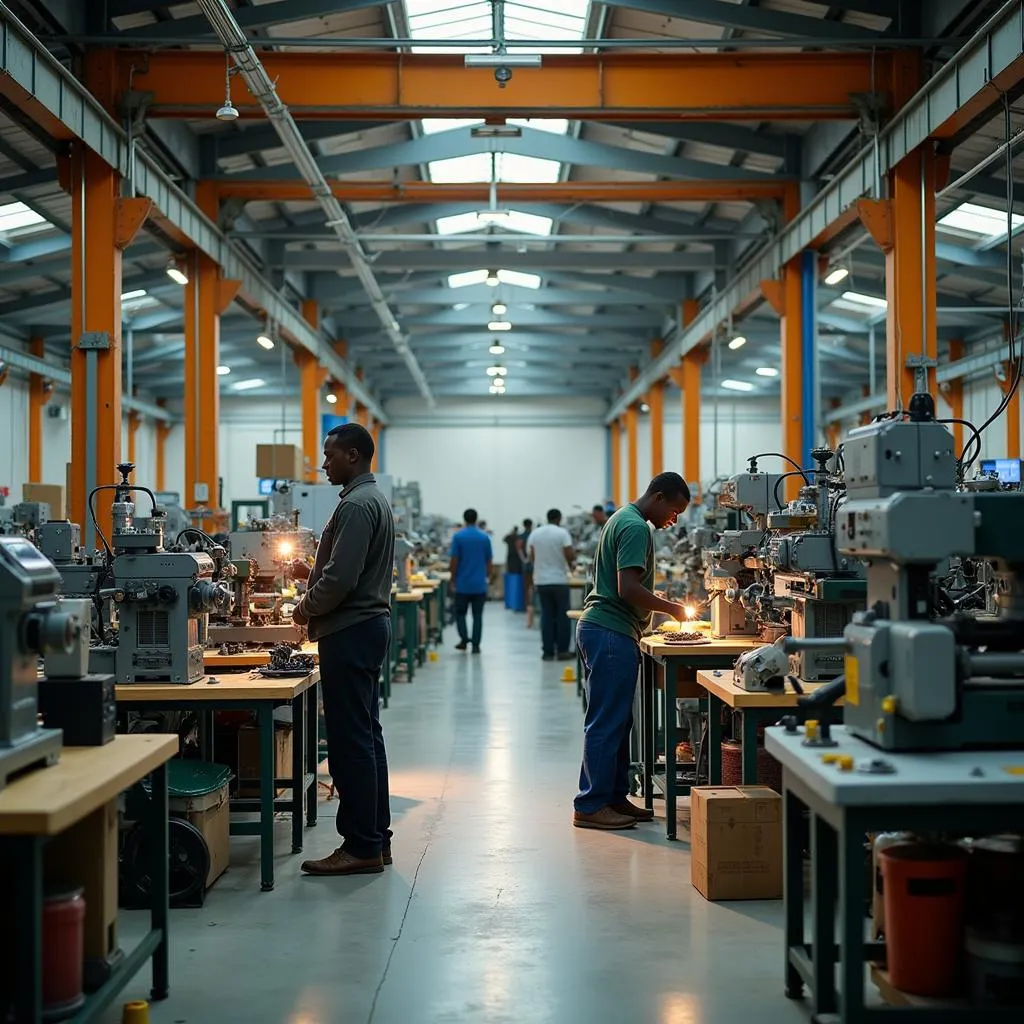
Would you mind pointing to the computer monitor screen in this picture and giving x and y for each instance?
(1008, 470)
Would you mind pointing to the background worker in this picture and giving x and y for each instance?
(598, 515)
(527, 571)
(550, 550)
(347, 609)
(471, 560)
(616, 613)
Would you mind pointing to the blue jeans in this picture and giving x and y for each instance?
(463, 603)
(611, 664)
(350, 666)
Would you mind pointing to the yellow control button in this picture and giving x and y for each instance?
(829, 758)
(811, 729)
(845, 762)
(889, 705)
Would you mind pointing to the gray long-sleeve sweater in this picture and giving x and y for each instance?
(351, 578)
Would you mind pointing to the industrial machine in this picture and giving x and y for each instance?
(404, 549)
(23, 519)
(730, 565)
(918, 679)
(31, 624)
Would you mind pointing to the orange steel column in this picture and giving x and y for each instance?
(655, 399)
(632, 453)
(953, 393)
(134, 420)
(38, 395)
(311, 377)
(615, 441)
(95, 335)
(377, 430)
(160, 475)
(1012, 413)
(690, 388)
(206, 296)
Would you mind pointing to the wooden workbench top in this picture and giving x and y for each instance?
(230, 687)
(722, 686)
(47, 801)
(656, 645)
(443, 577)
(410, 597)
(249, 659)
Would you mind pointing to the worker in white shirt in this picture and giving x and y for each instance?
(550, 550)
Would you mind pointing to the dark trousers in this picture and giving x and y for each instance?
(350, 666)
(554, 619)
(611, 664)
(463, 603)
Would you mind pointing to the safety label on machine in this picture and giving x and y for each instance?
(852, 679)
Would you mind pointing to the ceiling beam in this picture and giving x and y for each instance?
(481, 295)
(604, 86)
(639, 319)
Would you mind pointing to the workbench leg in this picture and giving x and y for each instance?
(824, 867)
(793, 886)
(442, 612)
(647, 727)
(312, 751)
(410, 640)
(714, 740)
(298, 768)
(267, 758)
(26, 864)
(751, 720)
(852, 904)
(671, 738)
(159, 851)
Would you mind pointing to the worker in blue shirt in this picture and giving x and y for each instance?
(471, 558)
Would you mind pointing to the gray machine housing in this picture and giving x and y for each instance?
(30, 624)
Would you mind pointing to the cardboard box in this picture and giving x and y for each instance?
(52, 494)
(210, 814)
(736, 842)
(280, 462)
(249, 758)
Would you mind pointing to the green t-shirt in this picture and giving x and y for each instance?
(625, 543)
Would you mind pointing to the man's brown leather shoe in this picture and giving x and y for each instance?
(385, 855)
(341, 862)
(631, 810)
(606, 819)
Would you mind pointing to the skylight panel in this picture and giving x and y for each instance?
(555, 125)
(433, 125)
(460, 224)
(467, 277)
(461, 170)
(503, 220)
(517, 277)
(981, 222)
(511, 167)
(17, 219)
(527, 223)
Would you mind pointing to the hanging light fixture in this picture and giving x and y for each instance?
(496, 371)
(332, 398)
(499, 309)
(497, 350)
(492, 279)
(265, 341)
(175, 273)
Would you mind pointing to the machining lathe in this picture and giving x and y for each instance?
(918, 679)
(31, 623)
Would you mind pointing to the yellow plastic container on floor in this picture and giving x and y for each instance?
(568, 674)
(136, 1012)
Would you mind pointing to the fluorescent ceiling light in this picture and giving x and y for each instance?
(644, 407)
(499, 309)
(265, 341)
(837, 275)
(495, 131)
(498, 60)
(332, 398)
(519, 279)
(223, 371)
(766, 371)
(248, 385)
(499, 325)
(176, 274)
(737, 385)
(738, 342)
(982, 222)
(137, 293)
(493, 216)
(496, 371)
(18, 219)
(467, 277)
(496, 391)
(869, 301)
(497, 350)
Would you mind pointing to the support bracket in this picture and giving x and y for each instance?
(775, 295)
(94, 341)
(227, 290)
(870, 107)
(129, 216)
(876, 216)
(921, 364)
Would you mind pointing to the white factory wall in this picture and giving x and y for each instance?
(743, 427)
(508, 461)
(244, 424)
(981, 399)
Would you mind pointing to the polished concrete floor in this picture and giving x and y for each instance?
(496, 909)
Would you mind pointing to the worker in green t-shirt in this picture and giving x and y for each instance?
(615, 614)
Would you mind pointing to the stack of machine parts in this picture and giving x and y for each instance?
(157, 602)
(269, 546)
(916, 677)
(31, 624)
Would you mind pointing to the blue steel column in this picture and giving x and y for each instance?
(808, 288)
